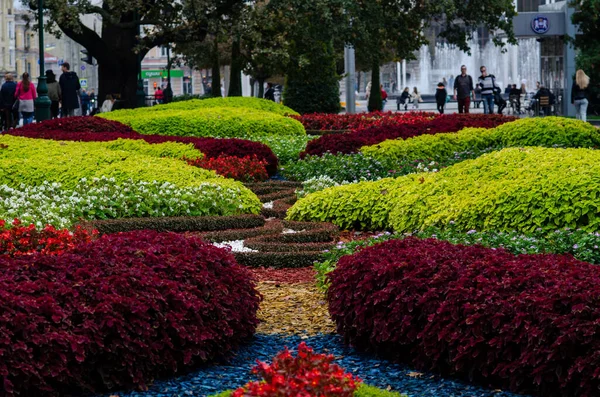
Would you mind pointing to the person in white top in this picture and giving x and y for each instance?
(107, 104)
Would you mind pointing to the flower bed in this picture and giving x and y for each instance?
(95, 199)
(547, 132)
(524, 322)
(338, 122)
(76, 124)
(245, 169)
(514, 189)
(210, 147)
(372, 135)
(285, 136)
(105, 320)
(17, 239)
(229, 102)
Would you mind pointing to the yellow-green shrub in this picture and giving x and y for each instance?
(547, 132)
(285, 136)
(361, 205)
(174, 150)
(229, 102)
(513, 189)
(33, 161)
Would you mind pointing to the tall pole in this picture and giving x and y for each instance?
(168, 93)
(42, 102)
(349, 58)
(139, 94)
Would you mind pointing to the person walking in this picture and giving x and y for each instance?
(440, 97)
(579, 94)
(7, 101)
(403, 99)
(69, 87)
(416, 98)
(487, 83)
(53, 93)
(463, 90)
(93, 103)
(270, 93)
(159, 96)
(515, 97)
(26, 94)
(384, 97)
(85, 102)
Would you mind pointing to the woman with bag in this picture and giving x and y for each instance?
(25, 95)
(579, 94)
(416, 98)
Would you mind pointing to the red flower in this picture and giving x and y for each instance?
(306, 375)
(246, 169)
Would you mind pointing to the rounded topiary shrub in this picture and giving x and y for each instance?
(526, 322)
(78, 124)
(118, 312)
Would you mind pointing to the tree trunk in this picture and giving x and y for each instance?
(216, 71)
(261, 88)
(235, 75)
(375, 102)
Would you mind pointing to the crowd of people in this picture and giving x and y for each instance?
(67, 98)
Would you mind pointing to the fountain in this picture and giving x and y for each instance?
(517, 63)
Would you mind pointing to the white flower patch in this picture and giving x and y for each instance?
(235, 246)
(268, 205)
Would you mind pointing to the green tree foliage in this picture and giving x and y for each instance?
(119, 45)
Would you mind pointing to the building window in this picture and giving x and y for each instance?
(11, 30)
(29, 68)
(27, 40)
(11, 59)
(163, 51)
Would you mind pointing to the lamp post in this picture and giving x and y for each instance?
(168, 93)
(42, 102)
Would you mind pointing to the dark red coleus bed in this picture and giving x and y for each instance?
(530, 323)
(373, 134)
(118, 312)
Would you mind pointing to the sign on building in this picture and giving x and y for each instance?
(83, 83)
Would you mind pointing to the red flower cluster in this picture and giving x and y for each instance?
(307, 375)
(526, 322)
(118, 312)
(211, 147)
(245, 169)
(372, 135)
(337, 122)
(17, 240)
(78, 124)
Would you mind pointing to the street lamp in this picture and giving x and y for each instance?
(42, 102)
(168, 93)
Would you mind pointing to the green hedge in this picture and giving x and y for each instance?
(547, 132)
(284, 135)
(32, 162)
(514, 189)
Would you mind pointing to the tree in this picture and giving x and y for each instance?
(120, 46)
(309, 31)
(387, 29)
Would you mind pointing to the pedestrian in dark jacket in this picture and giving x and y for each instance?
(270, 93)
(440, 97)
(69, 87)
(403, 99)
(53, 93)
(85, 102)
(7, 101)
(463, 89)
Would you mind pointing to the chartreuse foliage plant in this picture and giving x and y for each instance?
(228, 102)
(220, 122)
(548, 132)
(514, 189)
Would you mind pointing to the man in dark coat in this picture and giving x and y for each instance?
(270, 94)
(7, 100)
(69, 86)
